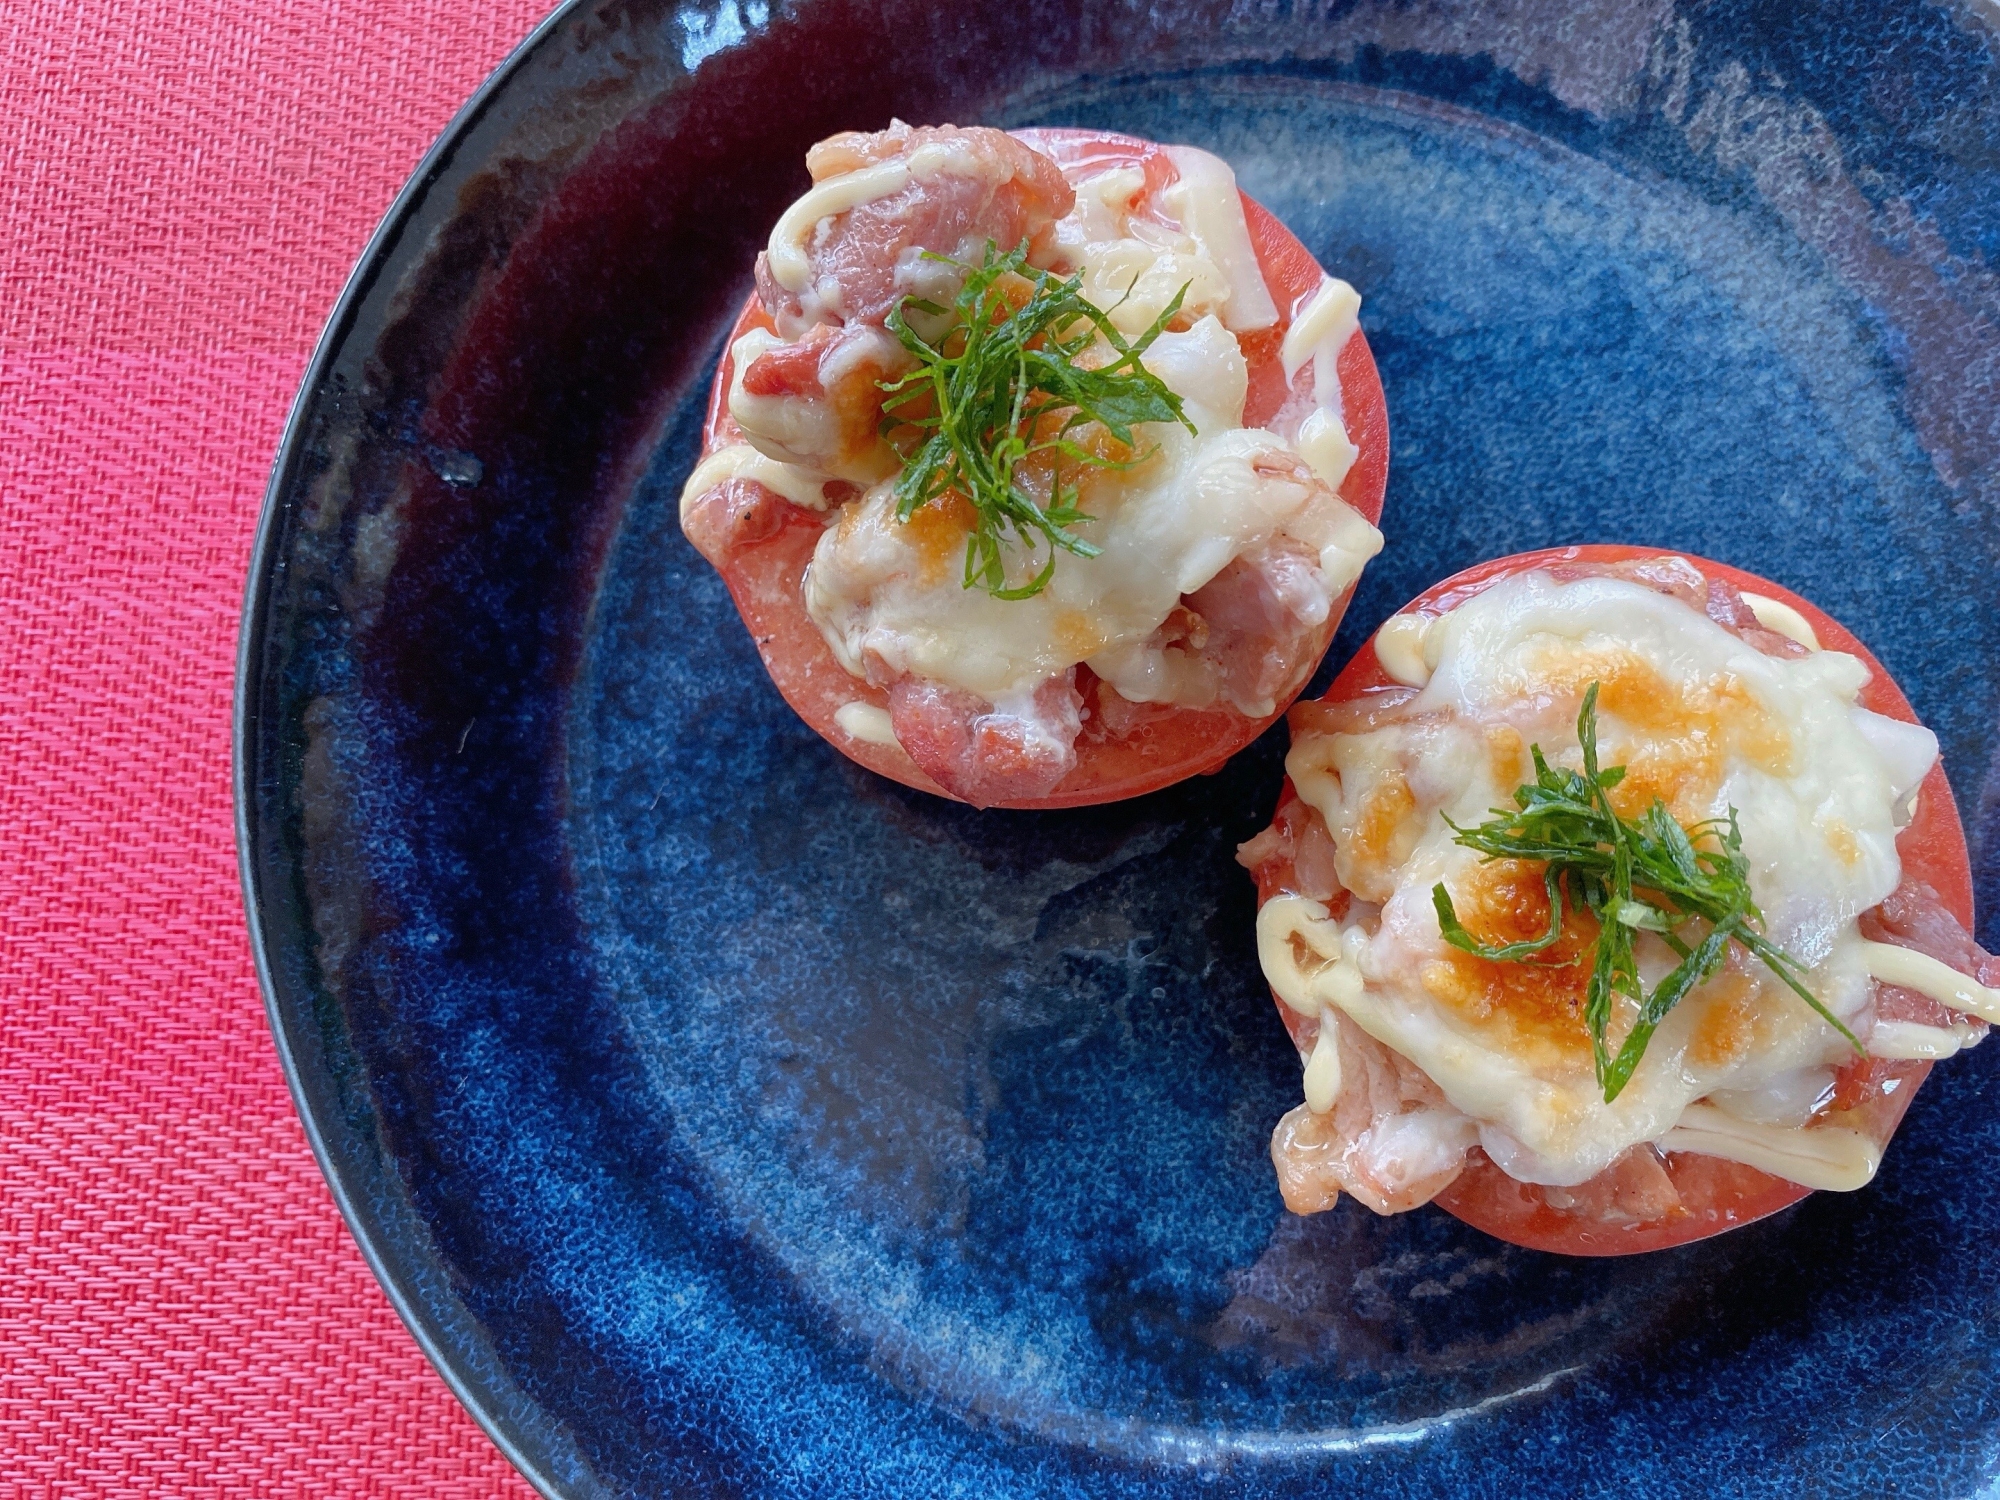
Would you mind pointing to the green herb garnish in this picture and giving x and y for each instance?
(1690, 886)
(1001, 383)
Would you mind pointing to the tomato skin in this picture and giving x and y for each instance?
(1165, 745)
(1717, 1195)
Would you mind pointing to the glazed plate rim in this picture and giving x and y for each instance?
(258, 587)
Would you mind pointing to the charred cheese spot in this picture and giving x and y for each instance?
(1075, 633)
(1841, 840)
(1184, 627)
(1507, 901)
(1507, 751)
(1121, 468)
(1378, 834)
(1682, 734)
(1309, 959)
(1534, 1009)
(1101, 491)
(1729, 1027)
(1384, 819)
(938, 530)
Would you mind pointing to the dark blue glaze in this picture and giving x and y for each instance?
(728, 1121)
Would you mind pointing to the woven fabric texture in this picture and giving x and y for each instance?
(186, 184)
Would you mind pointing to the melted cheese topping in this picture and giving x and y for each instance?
(1133, 264)
(1325, 446)
(811, 437)
(889, 595)
(1399, 647)
(892, 594)
(1704, 722)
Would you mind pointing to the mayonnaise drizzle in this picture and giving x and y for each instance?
(1331, 975)
(1323, 1067)
(1320, 330)
(1321, 326)
(1929, 976)
(741, 461)
(826, 200)
(1399, 647)
(1912, 1040)
(1825, 1157)
(867, 722)
(1780, 618)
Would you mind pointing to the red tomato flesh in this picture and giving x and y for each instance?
(1715, 1195)
(1148, 746)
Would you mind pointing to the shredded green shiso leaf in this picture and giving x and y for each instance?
(1002, 383)
(1690, 886)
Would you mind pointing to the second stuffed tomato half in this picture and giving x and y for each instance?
(1042, 464)
(1614, 899)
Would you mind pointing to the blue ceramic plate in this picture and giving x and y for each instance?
(726, 1121)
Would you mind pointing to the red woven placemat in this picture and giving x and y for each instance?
(186, 183)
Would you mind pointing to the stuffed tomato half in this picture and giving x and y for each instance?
(1614, 899)
(1042, 465)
